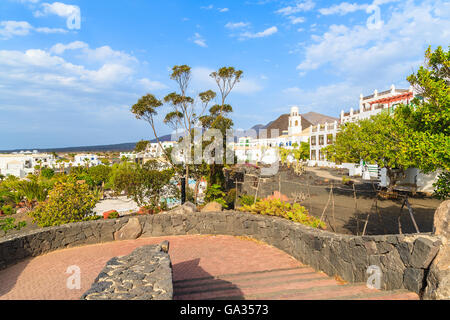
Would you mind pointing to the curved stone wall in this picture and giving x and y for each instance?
(404, 260)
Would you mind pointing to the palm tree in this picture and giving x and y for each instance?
(32, 191)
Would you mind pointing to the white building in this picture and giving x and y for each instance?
(154, 150)
(23, 163)
(321, 136)
(86, 159)
(325, 134)
(378, 101)
(262, 149)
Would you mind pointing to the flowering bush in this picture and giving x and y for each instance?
(278, 208)
(67, 202)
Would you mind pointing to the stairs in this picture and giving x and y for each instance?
(300, 283)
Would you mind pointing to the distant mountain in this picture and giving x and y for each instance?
(318, 118)
(282, 122)
(167, 137)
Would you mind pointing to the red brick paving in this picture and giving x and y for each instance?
(204, 267)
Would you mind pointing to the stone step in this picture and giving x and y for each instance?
(243, 279)
(301, 283)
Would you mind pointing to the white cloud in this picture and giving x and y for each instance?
(300, 6)
(71, 12)
(50, 30)
(343, 8)
(59, 48)
(199, 40)
(296, 20)
(224, 10)
(57, 8)
(47, 74)
(209, 7)
(237, 25)
(337, 96)
(357, 60)
(98, 55)
(265, 33)
(356, 50)
(10, 29)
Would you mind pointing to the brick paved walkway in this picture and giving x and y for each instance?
(204, 267)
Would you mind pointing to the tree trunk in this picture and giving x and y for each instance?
(187, 179)
(394, 176)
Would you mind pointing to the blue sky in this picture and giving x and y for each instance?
(64, 83)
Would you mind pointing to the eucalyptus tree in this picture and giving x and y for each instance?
(187, 113)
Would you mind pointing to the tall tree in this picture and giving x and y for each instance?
(378, 140)
(226, 79)
(184, 115)
(141, 146)
(187, 113)
(428, 117)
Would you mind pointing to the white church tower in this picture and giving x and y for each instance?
(295, 122)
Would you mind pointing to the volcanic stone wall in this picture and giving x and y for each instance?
(404, 260)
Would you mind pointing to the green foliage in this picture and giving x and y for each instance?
(278, 208)
(100, 174)
(380, 139)
(347, 181)
(141, 145)
(113, 215)
(7, 210)
(247, 200)
(31, 191)
(215, 193)
(67, 202)
(230, 198)
(428, 117)
(10, 224)
(47, 173)
(298, 152)
(442, 186)
(143, 183)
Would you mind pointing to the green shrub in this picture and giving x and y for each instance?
(10, 224)
(100, 174)
(278, 208)
(215, 193)
(442, 186)
(231, 198)
(47, 173)
(114, 215)
(347, 181)
(67, 202)
(8, 210)
(247, 200)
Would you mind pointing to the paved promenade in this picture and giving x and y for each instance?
(204, 267)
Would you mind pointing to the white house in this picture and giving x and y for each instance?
(263, 149)
(378, 101)
(86, 159)
(23, 163)
(321, 136)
